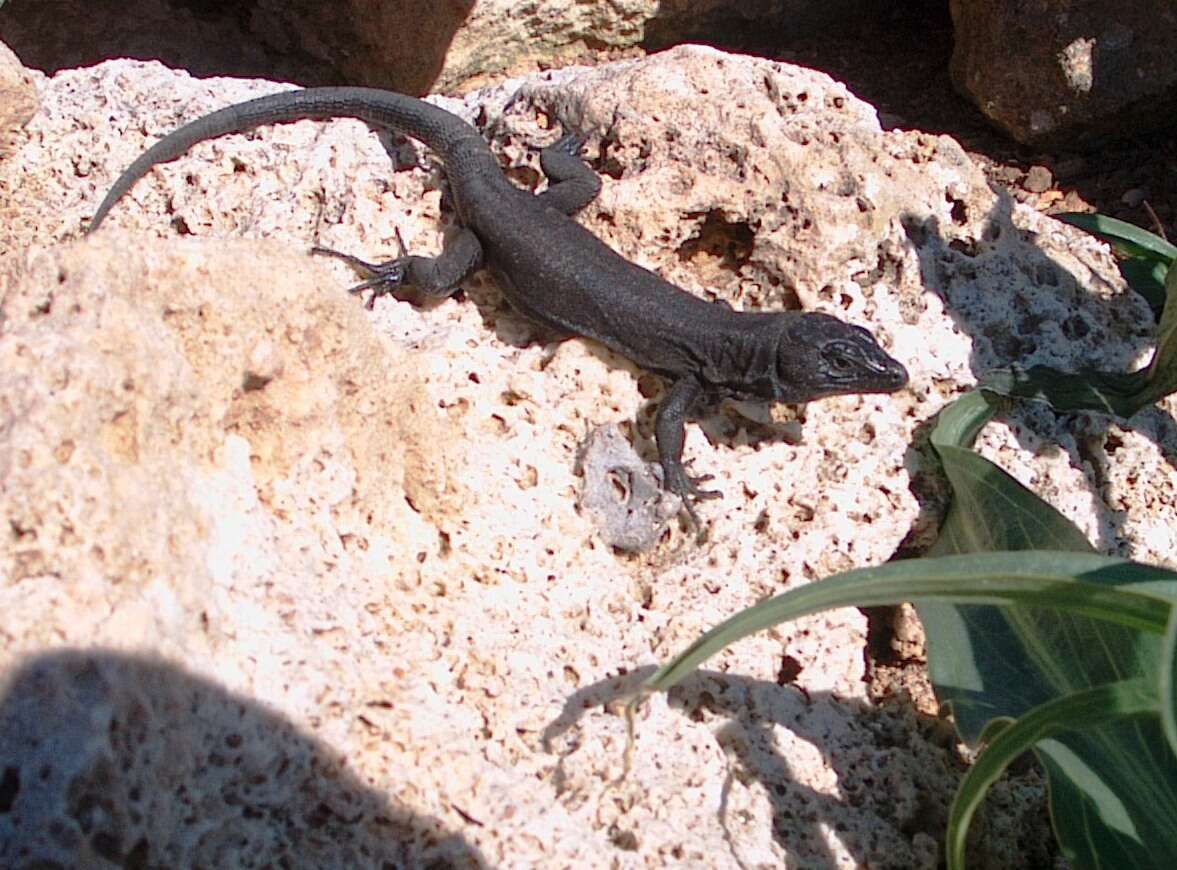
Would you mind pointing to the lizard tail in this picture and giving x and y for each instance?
(438, 129)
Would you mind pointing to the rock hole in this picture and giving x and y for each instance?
(625, 840)
(106, 844)
(966, 247)
(137, 858)
(619, 480)
(789, 671)
(959, 212)
(726, 243)
(253, 382)
(1046, 275)
(9, 788)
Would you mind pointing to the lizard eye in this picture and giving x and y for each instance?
(840, 360)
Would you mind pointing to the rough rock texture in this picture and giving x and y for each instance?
(404, 44)
(111, 759)
(623, 493)
(272, 522)
(1068, 73)
(18, 97)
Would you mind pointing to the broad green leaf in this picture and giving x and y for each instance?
(992, 663)
(1112, 795)
(1127, 239)
(1168, 687)
(989, 509)
(960, 422)
(1019, 651)
(1161, 374)
(1115, 393)
(1077, 712)
(1146, 277)
(1076, 583)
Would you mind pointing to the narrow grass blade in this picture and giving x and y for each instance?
(1068, 582)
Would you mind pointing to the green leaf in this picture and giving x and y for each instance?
(1076, 583)
(1076, 712)
(1127, 239)
(1115, 393)
(1146, 277)
(1112, 794)
(1168, 687)
(990, 663)
(989, 509)
(1161, 375)
(960, 422)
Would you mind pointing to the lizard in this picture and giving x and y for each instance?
(555, 272)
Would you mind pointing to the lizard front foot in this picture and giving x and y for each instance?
(382, 278)
(569, 143)
(687, 488)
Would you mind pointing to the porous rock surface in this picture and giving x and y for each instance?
(1067, 74)
(18, 97)
(259, 543)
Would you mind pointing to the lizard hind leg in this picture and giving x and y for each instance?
(411, 278)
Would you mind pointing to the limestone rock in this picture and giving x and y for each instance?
(1064, 74)
(18, 97)
(368, 525)
(624, 494)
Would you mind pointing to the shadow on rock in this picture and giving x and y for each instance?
(1048, 322)
(115, 760)
(891, 776)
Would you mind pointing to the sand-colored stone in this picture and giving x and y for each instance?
(18, 97)
(366, 527)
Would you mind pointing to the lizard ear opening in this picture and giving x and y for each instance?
(792, 366)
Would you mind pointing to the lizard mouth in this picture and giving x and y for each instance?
(893, 376)
(858, 365)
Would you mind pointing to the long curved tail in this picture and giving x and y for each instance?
(438, 129)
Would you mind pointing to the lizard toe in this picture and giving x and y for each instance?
(702, 494)
(569, 143)
(387, 278)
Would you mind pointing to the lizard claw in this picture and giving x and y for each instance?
(382, 278)
(702, 494)
(569, 143)
(687, 488)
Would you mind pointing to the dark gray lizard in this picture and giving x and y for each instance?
(555, 272)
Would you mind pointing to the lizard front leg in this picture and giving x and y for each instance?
(670, 433)
(572, 183)
(416, 279)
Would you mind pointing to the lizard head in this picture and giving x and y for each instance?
(819, 355)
